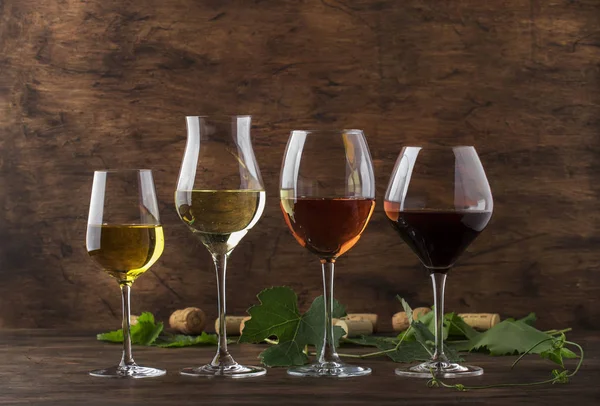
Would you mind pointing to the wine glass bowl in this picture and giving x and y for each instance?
(220, 197)
(327, 196)
(438, 200)
(125, 237)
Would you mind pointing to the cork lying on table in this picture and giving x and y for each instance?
(479, 321)
(354, 328)
(233, 324)
(191, 320)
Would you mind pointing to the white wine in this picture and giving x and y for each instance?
(220, 218)
(125, 251)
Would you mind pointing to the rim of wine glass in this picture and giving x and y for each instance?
(123, 170)
(221, 117)
(439, 146)
(317, 131)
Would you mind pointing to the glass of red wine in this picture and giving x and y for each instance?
(327, 195)
(438, 200)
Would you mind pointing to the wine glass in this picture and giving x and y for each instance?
(125, 237)
(220, 196)
(438, 200)
(327, 195)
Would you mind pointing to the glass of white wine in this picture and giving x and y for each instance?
(220, 196)
(125, 237)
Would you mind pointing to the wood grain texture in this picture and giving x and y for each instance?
(50, 367)
(105, 84)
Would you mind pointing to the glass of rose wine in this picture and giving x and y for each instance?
(438, 200)
(125, 237)
(327, 193)
(220, 196)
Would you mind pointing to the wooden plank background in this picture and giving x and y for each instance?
(99, 84)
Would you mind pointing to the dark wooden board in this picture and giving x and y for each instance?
(49, 367)
(106, 84)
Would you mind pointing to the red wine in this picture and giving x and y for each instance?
(327, 227)
(437, 237)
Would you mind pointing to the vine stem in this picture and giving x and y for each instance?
(528, 351)
(560, 377)
(556, 332)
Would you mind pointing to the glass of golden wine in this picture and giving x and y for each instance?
(125, 237)
(220, 197)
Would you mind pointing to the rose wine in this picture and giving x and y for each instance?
(437, 237)
(220, 218)
(125, 251)
(327, 227)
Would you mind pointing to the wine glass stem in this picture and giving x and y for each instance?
(127, 358)
(222, 358)
(328, 354)
(439, 283)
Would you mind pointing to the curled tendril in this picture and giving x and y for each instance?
(559, 342)
(433, 383)
(560, 376)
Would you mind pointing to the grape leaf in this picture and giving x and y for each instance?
(112, 336)
(567, 353)
(424, 334)
(511, 337)
(144, 332)
(455, 327)
(406, 307)
(278, 315)
(405, 352)
(530, 319)
(558, 351)
(186, 341)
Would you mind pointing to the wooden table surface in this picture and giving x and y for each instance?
(49, 367)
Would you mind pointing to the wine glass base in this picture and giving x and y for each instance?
(231, 371)
(440, 370)
(330, 369)
(129, 371)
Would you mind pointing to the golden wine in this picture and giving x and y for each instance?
(220, 218)
(125, 251)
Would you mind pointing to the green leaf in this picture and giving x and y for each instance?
(145, 332)
(567, 353)
(558, 352)
(284, 354)
(530, 319)
(427, 339)
(278, 315)
(511, 337)
(405, 352)
(186, 341)
(314, 320)
(554, 356)
(455, 327)
(112, 336)
(423, 331)
(406, 307)
(371, 341)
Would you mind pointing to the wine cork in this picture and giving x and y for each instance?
(191, 320)
(243, 323)
(370, 317)
(232, 324)
(355, 328)
(400, 320)
(481, 321)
